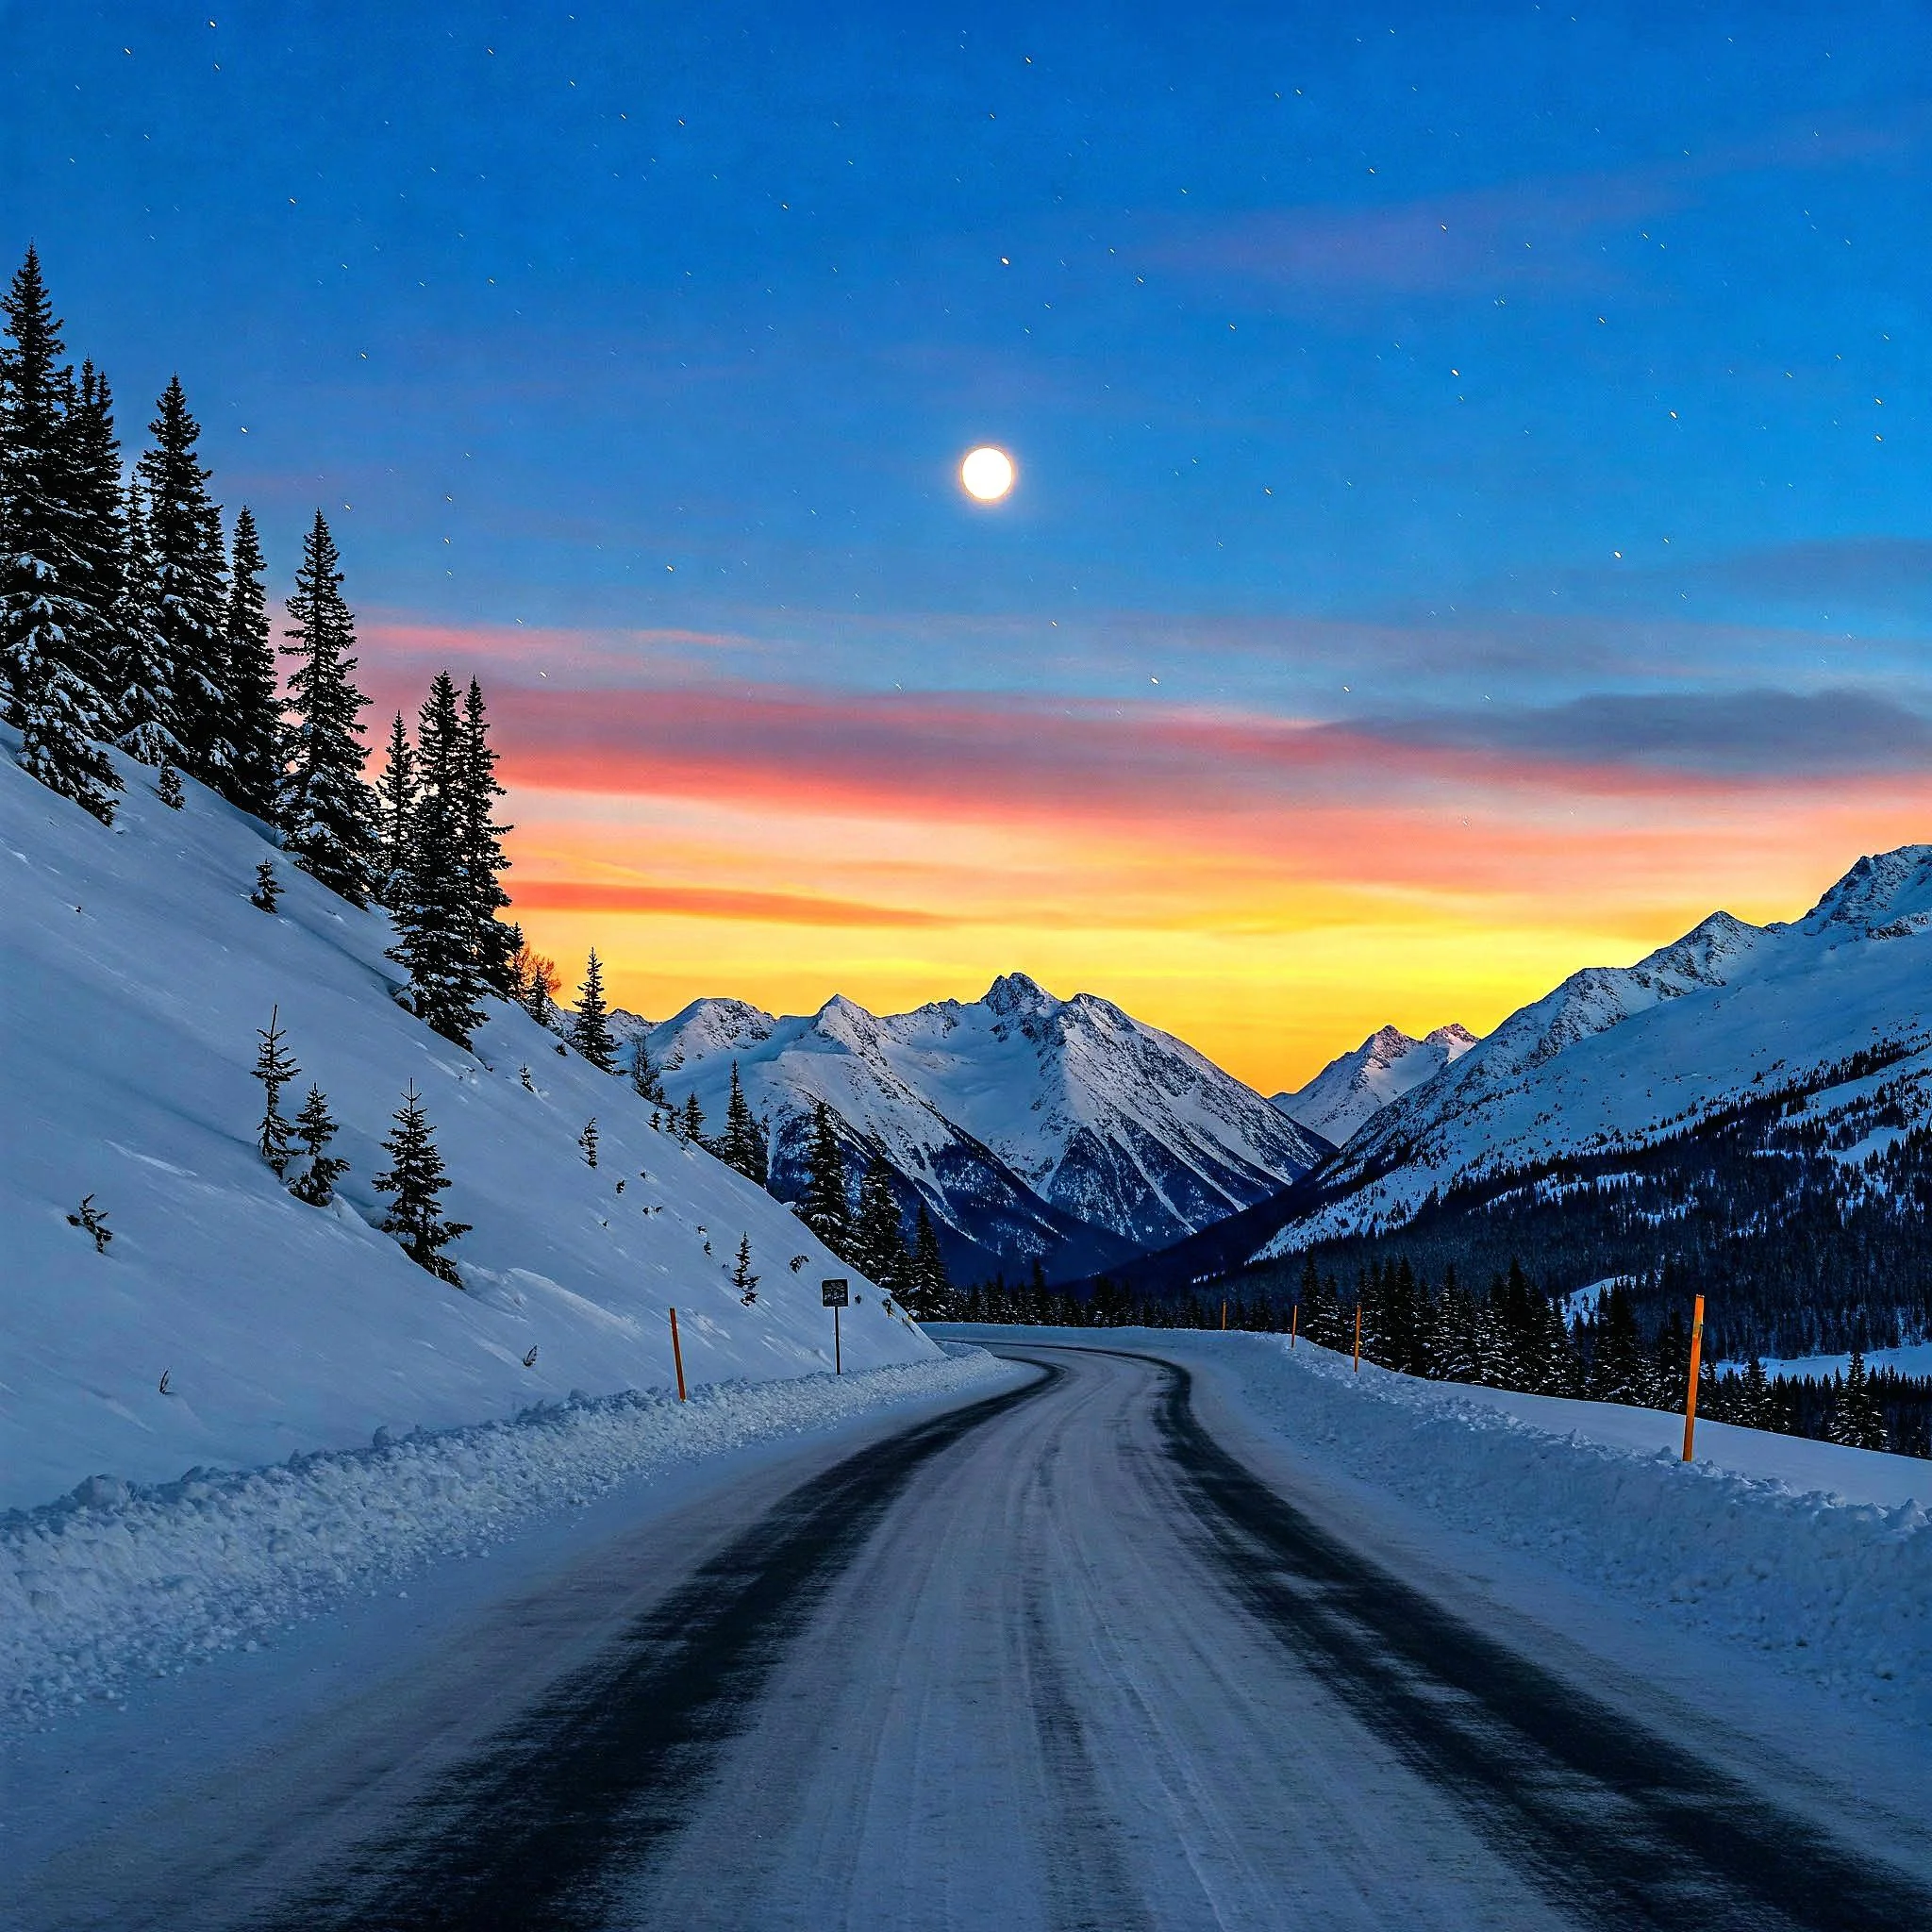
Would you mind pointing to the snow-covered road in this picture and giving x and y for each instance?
(1074, 1653)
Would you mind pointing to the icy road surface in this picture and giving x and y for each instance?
(1059, 1658)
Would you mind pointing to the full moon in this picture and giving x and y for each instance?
(987, 473)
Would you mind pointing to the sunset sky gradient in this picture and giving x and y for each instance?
(1475, 500)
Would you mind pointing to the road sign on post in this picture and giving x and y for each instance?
(836, 1294)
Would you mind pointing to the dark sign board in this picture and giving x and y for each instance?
(836, 1293)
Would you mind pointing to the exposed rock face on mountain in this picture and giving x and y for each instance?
(1064, 1131)
(1353, 1088)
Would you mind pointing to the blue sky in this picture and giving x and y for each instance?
(1493, 383)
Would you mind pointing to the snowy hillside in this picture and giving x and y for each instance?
(1032, 1126)
(1828, 1016)
(134, 975)
(1387, 1064)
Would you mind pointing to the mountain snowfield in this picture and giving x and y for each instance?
(1618, 1056)
(1355, 1086)
(134, 972)
(1030, 1125)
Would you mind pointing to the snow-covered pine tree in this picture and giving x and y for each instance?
(645, 1078)
(396, 800)
(417, 1178)
(268, 888)
(493, 944)
(587, 1142)
(254, 700)
(167, 788)
(1616, 1369)
(741, 1145)
(144, 694)
(1751, 1405)
(928, 1290)
(1858, 1422)
(590, 1026)
(429, 896)
(275, 1067)
(877, 1246)
(690, 1126)
(185, 526)
(328, 812)
(743, 1279)
(98, 495)
(826, 1208)
(315, 1129)
(54, 687)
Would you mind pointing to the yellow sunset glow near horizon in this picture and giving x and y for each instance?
(987, 473)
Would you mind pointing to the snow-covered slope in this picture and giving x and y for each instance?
(1619, 1056)
(1387, 1064)
(134, 972)
(1032, 1126)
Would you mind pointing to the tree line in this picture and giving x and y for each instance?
(1509, 1335)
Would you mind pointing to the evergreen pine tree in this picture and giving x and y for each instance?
(268, 888)
(1753, 1403)
(741, 1145)
(185, 526)
(877, 1247)
(826, 1209)
(429, 898)
(328, 812)
(1858, 1420)
(140, 680)
(396, 800)
(167, 788)
(315, 1129)
(743, 1279)
(587, 1142)
(50, 626)
(590, 1027)
(645, 1078)
(538, 980)
(1616, 1369)
(417, 1180)
(691, 1127)
(97, 496)
(928, 1291)
(480, 840)
(255, 706)
(275, 1067)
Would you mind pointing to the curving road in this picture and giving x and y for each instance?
(1060, 1659)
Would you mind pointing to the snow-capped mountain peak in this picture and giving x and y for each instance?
(1032, 1126)
(1356, 1085)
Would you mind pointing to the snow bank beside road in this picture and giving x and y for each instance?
(1816, 1557)
(115, 1583)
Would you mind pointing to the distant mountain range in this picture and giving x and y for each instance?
(1034, 1128)
(1751, 1105)
(1348, 1091)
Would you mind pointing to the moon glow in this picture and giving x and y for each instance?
(987, 473)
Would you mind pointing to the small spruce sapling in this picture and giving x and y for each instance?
(315, 1129)
(94, 1220)
(417, 1178)
(523, 1074)
(743, 1279)
(588, 1142)
(275, 1067)
(268, 889)
(691, 1128)
(168, 789)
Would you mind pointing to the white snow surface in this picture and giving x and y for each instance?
(1817, 1558)
(1620, 1056)
(134, 973)
(1356, 1085)
(119, 1583)
(1102, 1116)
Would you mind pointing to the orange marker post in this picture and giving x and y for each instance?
(1696, 1362)
(677, 1355)
(1294, 1323)
(1357, 1338)
(1224, 1314)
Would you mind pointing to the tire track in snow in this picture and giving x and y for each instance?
(1615, 1823)
(541, 1832)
